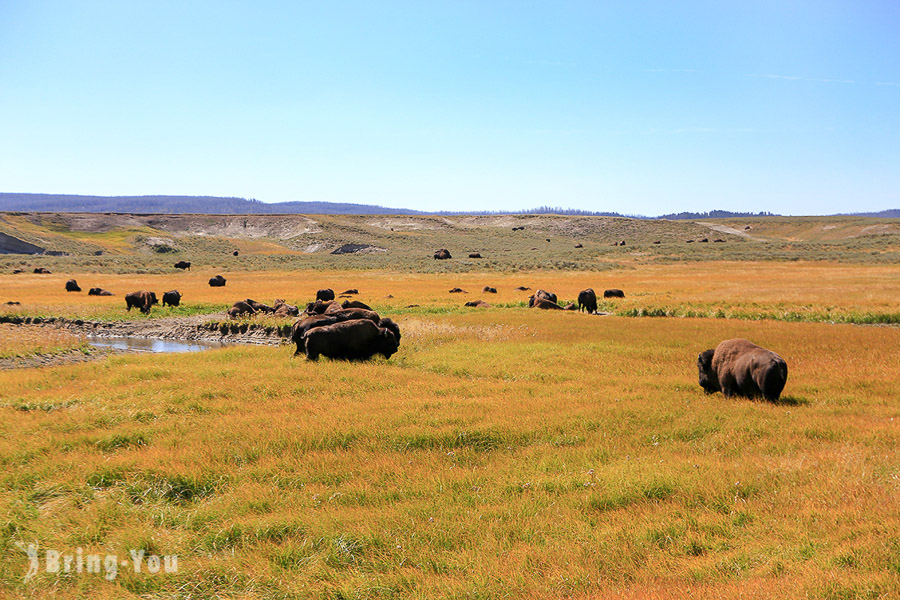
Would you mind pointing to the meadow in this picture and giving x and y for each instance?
(503, 452)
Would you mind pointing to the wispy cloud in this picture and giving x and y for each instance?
(888, 83)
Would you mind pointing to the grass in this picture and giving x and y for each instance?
(501, 452)
(18, 342)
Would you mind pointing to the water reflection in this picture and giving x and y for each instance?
(152, 345)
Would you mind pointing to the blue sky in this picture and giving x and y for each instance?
(635, 107)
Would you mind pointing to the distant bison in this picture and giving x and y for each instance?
(457, 290)
(99, 292)
(42, 271)
(543, 303)
(355, 304)
(325, 295)
(72, 286)
(350, 340)
(657, 242)
(350, 291)
(741, 368)
(704, 240)
(474, 255)
(217, 281)
(522, 288)
(587, 300)
(579, 245)
(142, 300)
(478, 304)
(235, 253)
(614, 293)
(541, 294)
(172, 298)
(239, 309)
(489, 290)
(183, 264)
(442, 254)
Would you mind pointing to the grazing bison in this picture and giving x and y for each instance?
(99, 292)
(489, 290)
(613, 293)
(349, 340)
(183, 264)
(325, 295)
(587, 300)
(72, 286)
(303, 325)
(259, 306)
(458, 291)
(172, 298)
(283, 309)
(42, 271)
(142, 300)
(239, 309)
(391, 326)
(442, 254)
(217, 281)
(350, 291)
(478, 304)
(741, 368)
(474, 255)
(355, 304)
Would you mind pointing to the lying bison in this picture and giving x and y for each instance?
(614, 293)
(489, 290)
(741, 368)
(72, 286)
(283, 309)
(457, 290)
(358, 339)
(474, 255)
(183, 264)
(325, 295)
(235, 253)
(142, 300)
(543, 303)
(349, 292)
(239, 309)
(542, 295)
(318, 307)
(99, 292)
(259, 306)
(355, 304)
(217, 281)
(587, 300)
(42, 271)
(442, 254)
(172, 298)
(478, 304)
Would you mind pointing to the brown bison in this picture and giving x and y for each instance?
(457, 290)
(72, 286)
(579, 245)
(478, 304)
(259, 306)
(42, 271)
(442, 254)
(350, 292)
(325, 295)
(614, 293)
(587, 300)
(217, 281)
(392, 327)
(283, 309)
(99, 292)
(142, 300)
(570, 306)
(183, 264)
(318, 307)
(474, 255)
(543, 296)
(350, 340)
(312, 321)
(542, 303)
(489, 290)
(235, 253)
(172, 298)
(522, 288)
(741, 368)
(355, 304)
(239, 309)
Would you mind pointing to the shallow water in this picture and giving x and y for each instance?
(132, 344)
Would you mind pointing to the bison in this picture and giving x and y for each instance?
(489, 290)
(614, 293)
(217, 281)
(141, 300)
(587, 300)
(570, 306)
(442, 254)
(259, 306)
(542, 295)
(741, 368)
(349, 340)
(355, 304)
(457, 290)
(349, 292)
(318, 307)
(72, 286)
(579, 245)
(478, 304)
(183, 264)
(474, 255)
(542, 303)
(325, 295)
(522, 288)
(99, 292)
(312, 321)
(172, 298)
(283, 309)
(42, 271)
(235, 253)
(239, 309)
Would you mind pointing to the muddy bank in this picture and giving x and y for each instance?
(77, 355)
(212, 328)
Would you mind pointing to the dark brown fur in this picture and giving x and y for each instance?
(350, 340)
(172, 298)
(217, 281)
(587, 300)
(72, 286)
(142, 300)
(741, 368)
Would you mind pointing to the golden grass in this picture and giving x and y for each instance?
(25, 341)
(501, 453)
